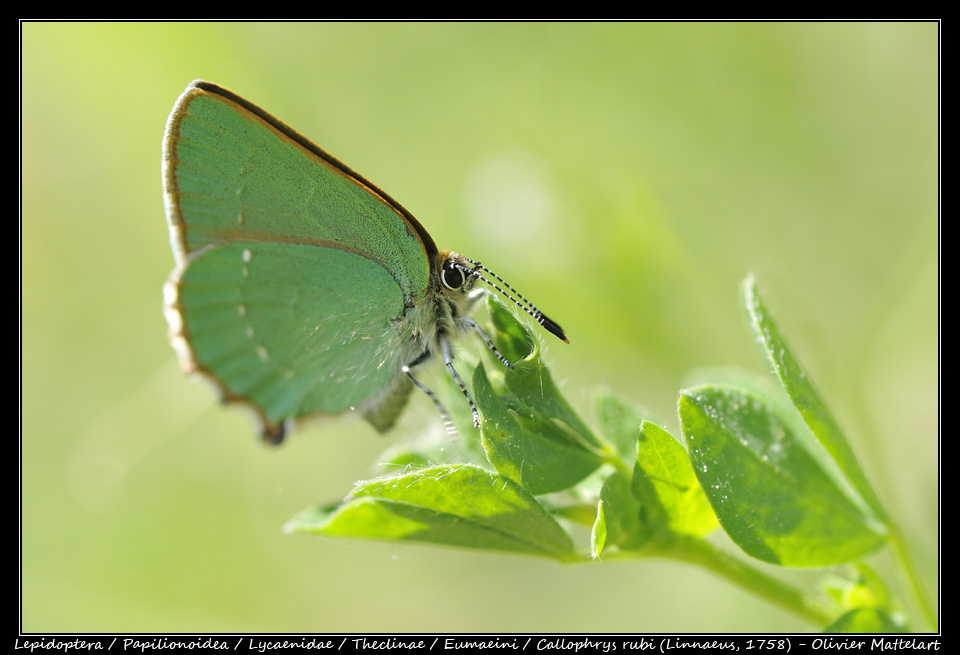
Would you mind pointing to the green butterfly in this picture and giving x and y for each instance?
(300, 288)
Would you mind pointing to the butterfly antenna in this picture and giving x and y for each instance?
(524, 304)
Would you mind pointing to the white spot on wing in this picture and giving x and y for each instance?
(247, 256)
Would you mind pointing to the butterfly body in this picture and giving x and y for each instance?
(300, 288)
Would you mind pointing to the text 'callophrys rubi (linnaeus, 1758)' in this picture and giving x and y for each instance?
(300, 288)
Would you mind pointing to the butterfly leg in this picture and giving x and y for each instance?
(467, 322)
(448, 362)
(447, 421)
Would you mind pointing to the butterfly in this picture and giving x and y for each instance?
(300, 288)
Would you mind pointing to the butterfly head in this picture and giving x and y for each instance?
(459, 274)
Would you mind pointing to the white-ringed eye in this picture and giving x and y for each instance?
(451, 277)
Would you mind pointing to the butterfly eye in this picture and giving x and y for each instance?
(451, 277)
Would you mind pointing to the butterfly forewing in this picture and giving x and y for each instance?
(293, 274)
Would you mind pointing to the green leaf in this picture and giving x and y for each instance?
(618, 517)
(598, 536)
(512, 338)
(661, 496)
(663, 479)
(805, 398)
(771, 496)
(664, 471)
(539, 454)
(454, 505)
(530, 379)
(619, 424)
(531, 383)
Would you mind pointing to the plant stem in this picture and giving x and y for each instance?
(698, 551)
(909, 573)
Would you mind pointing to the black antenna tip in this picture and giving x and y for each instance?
(552, 328)
(526, 305)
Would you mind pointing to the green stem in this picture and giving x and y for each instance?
(698, 551)
(908, 571)
(612, 457)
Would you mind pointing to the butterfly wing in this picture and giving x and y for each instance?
(293, 272)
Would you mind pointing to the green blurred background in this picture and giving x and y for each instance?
(625, 177)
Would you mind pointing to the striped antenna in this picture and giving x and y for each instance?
(524, 304)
